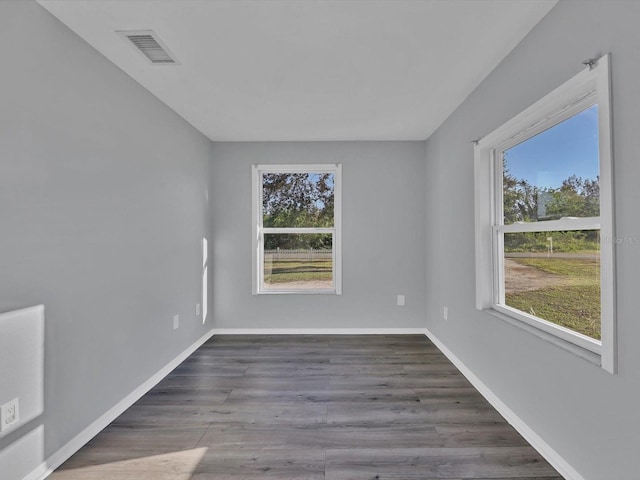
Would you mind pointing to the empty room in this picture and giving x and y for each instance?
(319, 239)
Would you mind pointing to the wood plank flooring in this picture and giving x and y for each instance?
(310, 407)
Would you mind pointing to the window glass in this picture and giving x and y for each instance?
(554, 174)
(298, 261)
(555, 276)
(545, 253)
(297, 200)
(297, 225)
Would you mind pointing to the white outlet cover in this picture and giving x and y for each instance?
(445, 313)
(197, 309)
(401, 300)
(176, 322)
(9, 414)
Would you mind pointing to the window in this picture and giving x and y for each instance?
(297, 238)
(544, 218)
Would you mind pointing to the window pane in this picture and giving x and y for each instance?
(301, 261)
(555, 276)
(554, 174)
(297, 199)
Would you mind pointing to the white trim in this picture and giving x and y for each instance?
(537, 442)
(571, 347)
(337, 224)
(561, 225)
(546, 109)
(299, 167)
(76, 443)
(319, 331)
(65, 452)
(300, 291)
(484, 220)
(298, 230)
(256, 257)
(41, 472)
(581, 102)
(589, 87)
(607, 215)
(257, 276)
(559, 331)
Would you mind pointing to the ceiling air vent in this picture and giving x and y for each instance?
(148, 43)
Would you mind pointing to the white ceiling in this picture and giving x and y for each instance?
(281, 70)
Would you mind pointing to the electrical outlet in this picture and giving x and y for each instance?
(197, 309)
(176, 322)
(9, 414)
(400, 300)
(445, 313)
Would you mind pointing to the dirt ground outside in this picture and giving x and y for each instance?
(523, 278)
(518, 278)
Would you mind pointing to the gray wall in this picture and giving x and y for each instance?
(102, 210)
(588, 416)
(383, 237)
(103, 207)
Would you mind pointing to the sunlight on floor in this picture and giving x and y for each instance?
(169, 466)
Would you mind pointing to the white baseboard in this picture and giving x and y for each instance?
(64, 453)
(319, 331)
(559, 463)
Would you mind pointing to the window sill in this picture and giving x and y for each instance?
(548, 337)
(297, 292)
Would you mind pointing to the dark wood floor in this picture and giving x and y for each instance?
(310, 407)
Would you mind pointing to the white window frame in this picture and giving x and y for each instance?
(259, 230)
(590, 86)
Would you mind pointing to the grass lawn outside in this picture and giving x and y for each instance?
(572, 297)
(289, 271)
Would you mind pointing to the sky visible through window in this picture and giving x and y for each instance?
(569, 148)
